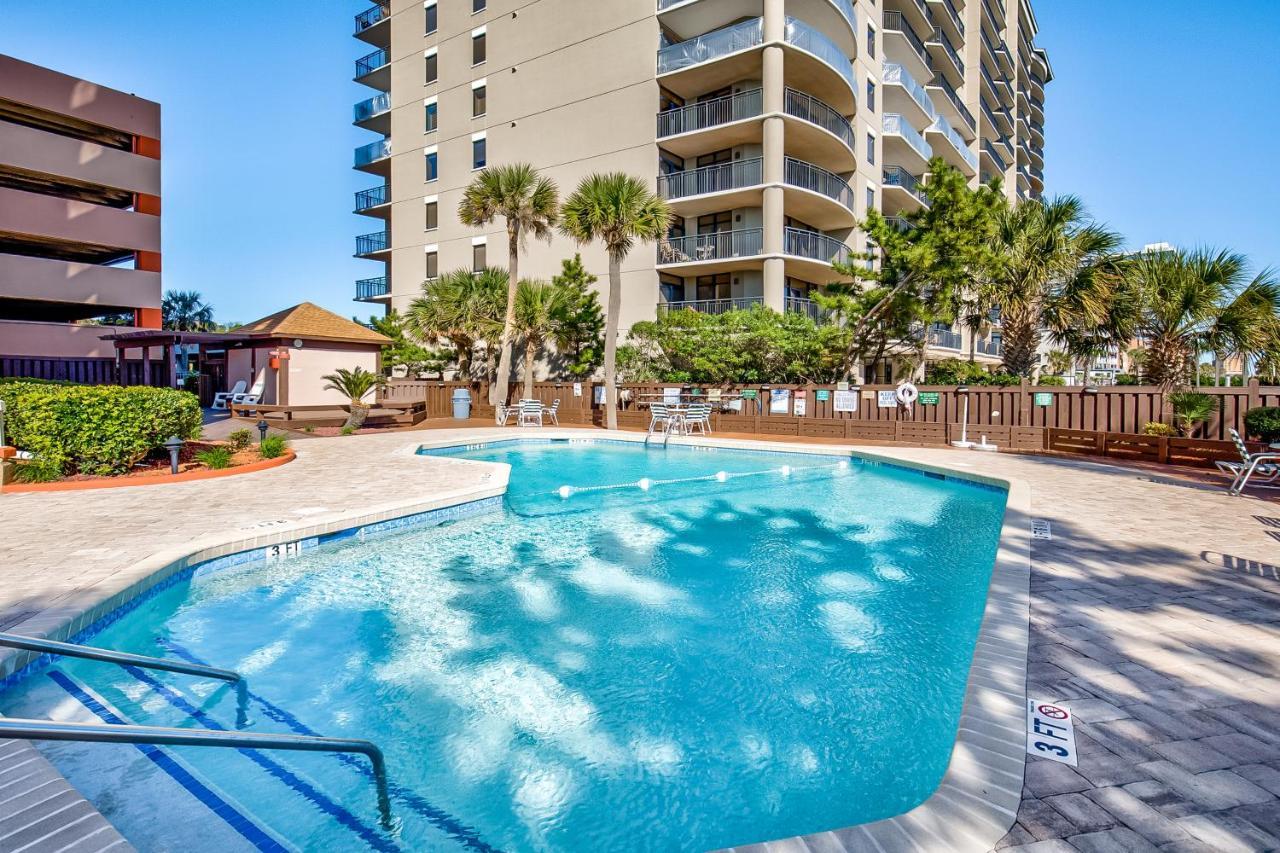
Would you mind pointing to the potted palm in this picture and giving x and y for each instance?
(1190, 409)
(355, 385)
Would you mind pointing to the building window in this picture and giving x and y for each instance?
(433, 68)
(433, 166)
(478, 5)
(871, 96)
(714, 286)
(871, 41)
(433, 265)
(477, 47)
(430, 10)
(871, 149)
(478, 153)
(432, 214)
(478, 261)
(871, 198)
(430, 123)
(715, 223)
(670, 288)
(479, 100)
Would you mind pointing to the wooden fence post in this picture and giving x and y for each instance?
(1255, 393)
(1024, 404)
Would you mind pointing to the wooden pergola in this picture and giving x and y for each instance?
(147, 340)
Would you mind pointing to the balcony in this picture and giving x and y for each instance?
(916, 13)
(713, 250)
(949, 103)
(733, 185)
(808, 108)
(903, 95)
(945, 12)
(999, 87)
(943, 57)
(824, 200)
(805, 307)
(1000, 118)
(374, 157)
(952, 148)
(711, 113)
(720, 58)
(899, 223)
(997, 163)
(374, 197)
(815, 247)
(371, 25)
(712, 306)
(373, 289)
(369, 245)
(995, 11)
(374, 114)
(903, 191)
(992, 348)
(374, 70)
(903, 145)
(684, 19)
(903, 44)
(944, 339)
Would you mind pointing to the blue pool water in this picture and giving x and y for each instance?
(708, 662)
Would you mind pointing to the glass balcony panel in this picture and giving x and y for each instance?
(895, 73)
(896, 124)
(941, 125)
(801, 35)
(367, 154)
(712, 45)
(376, 105)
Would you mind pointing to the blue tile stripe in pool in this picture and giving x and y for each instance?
(445, 821)
(429, 518)
(249, 830)
(370, 836)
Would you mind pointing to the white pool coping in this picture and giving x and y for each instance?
(977, 800)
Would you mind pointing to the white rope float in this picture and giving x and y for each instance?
(644, 484)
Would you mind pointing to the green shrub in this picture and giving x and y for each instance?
(215, 457)
(95, 429)
(1191, 408)
(347, 430)
(38, 471)
(1264, 423)
(272, 446)
(1051, 380)
(957, 371)
(1158, 428)
(240, 439)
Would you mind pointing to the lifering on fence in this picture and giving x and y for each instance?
(907, 393)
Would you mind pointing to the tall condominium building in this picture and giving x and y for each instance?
(79, 211)
(771, 126)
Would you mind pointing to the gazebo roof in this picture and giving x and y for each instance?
(310, 321)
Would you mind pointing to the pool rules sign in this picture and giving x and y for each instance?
(1051, 732)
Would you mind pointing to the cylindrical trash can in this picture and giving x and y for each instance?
(461, 404)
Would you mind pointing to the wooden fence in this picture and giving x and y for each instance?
(85, 371)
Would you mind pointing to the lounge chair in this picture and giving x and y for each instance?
(254, 395)
(222, 398)
(501, 412)
(551, 412)
(660, 419)
(1263, 465)
(530, 413)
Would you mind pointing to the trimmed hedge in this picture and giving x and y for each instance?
(95, 429)
(1263, 422)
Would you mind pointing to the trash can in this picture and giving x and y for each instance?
(461, 404)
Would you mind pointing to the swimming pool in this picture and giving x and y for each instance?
(735, 653)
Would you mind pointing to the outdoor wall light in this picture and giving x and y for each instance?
(1090, 389)
(962, 389)
(173, 445)
(262, 430)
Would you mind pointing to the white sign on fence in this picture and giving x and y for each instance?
(801, 401)
(780, 401)
(887, 399)
(1051, 732)
(844, 401)
(577, 389)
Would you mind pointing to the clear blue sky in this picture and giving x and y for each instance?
(1162, 117)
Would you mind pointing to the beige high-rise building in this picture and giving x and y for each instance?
(770, 125)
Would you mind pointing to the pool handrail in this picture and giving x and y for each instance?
(11, 727)
(53, 647)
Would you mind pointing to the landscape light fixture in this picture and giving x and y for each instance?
(173, 445)
(262, 430)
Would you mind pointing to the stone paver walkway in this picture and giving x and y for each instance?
(1155, 617)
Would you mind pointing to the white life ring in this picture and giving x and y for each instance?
(907, 393)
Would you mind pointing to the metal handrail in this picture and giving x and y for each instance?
(896, 21)
(157, 735)
(798, 173)
(808, 108)
(734, 175)
(371, 62)
(740, 243)
(72, 650)
(709, 113)
(954, 96)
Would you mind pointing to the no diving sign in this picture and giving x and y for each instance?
(1051, 732)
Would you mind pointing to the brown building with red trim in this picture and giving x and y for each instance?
(79, 211)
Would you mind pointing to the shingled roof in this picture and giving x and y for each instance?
(309, 321)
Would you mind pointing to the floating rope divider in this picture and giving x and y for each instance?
(646, 483)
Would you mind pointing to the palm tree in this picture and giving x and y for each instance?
(1060, 363)
(1197, 301)
(539, 312)
(185, 311)
(618, 210)
(1056, 273)
(355, 385)
(529, 204)
(461, 307)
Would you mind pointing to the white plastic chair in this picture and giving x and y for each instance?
(1264, 465)
(551, 412)
(501, 412)
(255, 393)
(530, 413)
(699, 415)
(659, 418)
(222, 398)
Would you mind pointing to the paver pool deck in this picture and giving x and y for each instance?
(1155, 616)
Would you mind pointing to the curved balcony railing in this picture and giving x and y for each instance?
(710, 113)
(941, 125)
(816, 247)
(956, 101)
(994, 154)
(736, 175)
(712, 306)
(801, 35)
(895, 73)
(372, 152)
(896, 176)
(377, 105)
(814, 111)
(372, 197)
(713, 45)
(845, 7)
(896, 124)
(807, 176)
(740, 243)
(896, 22)
(371, 16)
(378, 241)
(372, 288)
(372, 62)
